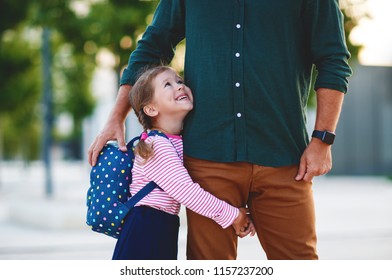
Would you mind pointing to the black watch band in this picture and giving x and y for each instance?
(326, 136)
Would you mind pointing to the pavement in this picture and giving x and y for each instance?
(354, 217)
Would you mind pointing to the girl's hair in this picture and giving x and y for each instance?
(140, 96)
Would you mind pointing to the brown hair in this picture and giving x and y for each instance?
(140, 96)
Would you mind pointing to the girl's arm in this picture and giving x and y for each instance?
(166, 169)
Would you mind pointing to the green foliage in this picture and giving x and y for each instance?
(105, 26)
(11, 14)
(114, 25)
(22, 135)
(80, 104)
(21, 75)
(49, 13)
(17, 84)
(19, 88)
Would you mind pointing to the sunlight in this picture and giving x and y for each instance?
(374, 34)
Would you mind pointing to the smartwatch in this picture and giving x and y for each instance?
(326, 136)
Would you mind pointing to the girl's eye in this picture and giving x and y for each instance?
(180, 82)
(167, 84)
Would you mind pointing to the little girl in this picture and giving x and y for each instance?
(161, 101)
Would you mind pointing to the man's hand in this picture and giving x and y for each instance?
(114, 129)
(317, 157)
(315, 161)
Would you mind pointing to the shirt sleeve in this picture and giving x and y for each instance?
(158, 43)
(165, 168)
(325, 31)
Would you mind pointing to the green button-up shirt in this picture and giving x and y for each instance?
(248, 63)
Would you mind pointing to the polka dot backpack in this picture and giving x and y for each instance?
(108, 197)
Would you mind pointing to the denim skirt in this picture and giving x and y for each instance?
(148, 234)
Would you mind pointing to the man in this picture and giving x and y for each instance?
(249, 66)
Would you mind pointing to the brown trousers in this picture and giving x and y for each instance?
(282, 210)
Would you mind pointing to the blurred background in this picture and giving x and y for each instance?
(60, 62)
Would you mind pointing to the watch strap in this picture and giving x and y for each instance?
(325, 136)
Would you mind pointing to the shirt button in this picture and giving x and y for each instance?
(237, 84)
(237, 54)
(238, 26)
(239, 115)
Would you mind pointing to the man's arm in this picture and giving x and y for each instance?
(115, 126)
(317, 158)
(324, 28)
(157, 45)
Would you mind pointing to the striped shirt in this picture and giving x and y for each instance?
(166, 169)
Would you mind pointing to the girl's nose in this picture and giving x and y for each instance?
(180, 86)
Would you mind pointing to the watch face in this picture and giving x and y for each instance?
(328, 137)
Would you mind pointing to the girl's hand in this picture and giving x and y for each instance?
(243, 225)
(250, 229)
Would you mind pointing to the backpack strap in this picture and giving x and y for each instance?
(140, 194)
(151, 185)
(131, 145)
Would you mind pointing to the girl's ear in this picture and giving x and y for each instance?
(150, 110)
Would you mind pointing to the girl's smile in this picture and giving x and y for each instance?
(183, 97)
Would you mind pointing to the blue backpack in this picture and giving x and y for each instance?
(108, 197)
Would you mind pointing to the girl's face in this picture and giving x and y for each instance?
(171, 96)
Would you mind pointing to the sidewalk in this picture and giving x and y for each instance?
(354, 217)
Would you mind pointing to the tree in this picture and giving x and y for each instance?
(18, 84)
(11, 14)
(111, 24)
